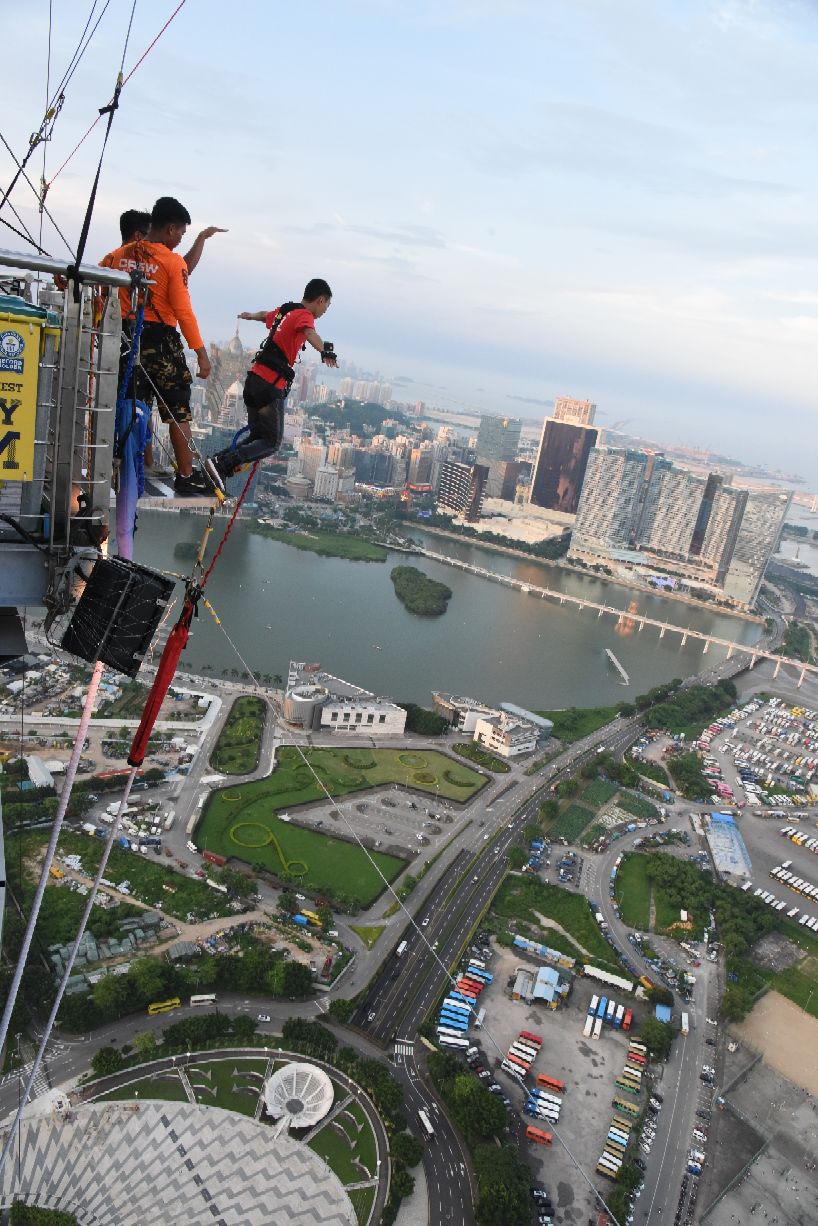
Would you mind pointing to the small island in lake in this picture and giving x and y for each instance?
(419, 593)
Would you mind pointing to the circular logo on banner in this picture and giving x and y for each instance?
(11, 344)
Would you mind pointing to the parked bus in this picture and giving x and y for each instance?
(610, 1012)
(526, 1050)
(551, 1083)
(164, 1006)
(622, 1124)
(457, 1044)
(629, 1087)
(448, 1032)
(588, 1027)
(479, 973)
(519, 1064)
(537, 1134)
(209, 999)
(620, 1016)
(456, 1020)
(602, 1006)
(613, 1147)
(542, 1097)
(637, 1045)
(513, 1069)
(477, 962)
(609, 1172)
(612, 1158)
(632, 1070)
(597, 1027)
(449, 1002)
(627, 1020)
(469, 987)
(627, 1109)
(481, 1017)
(592, 1008)
(426, 1124)
(646, 983)
(460, 1015)
(636, 1057)
(531, 1038)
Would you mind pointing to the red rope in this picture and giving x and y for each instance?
(229, 527)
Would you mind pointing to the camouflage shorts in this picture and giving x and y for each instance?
(164, 372)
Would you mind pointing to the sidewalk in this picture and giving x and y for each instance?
(414, 1210)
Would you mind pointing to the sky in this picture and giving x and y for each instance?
(613, 201)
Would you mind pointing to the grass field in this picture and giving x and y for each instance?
(592, 834)
(800, 984)
(241, 821)
(577, 722)
(237, 750)
(165, 1088)
(571, 823)
(633, 893)
(519, 898)
(368, 934)
(224, 1075)
(651, 770)
(598, 793)
(325, 544)
(637, 805)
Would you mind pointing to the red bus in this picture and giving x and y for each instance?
(532, 1038)
(551, 1083)
(518, 1063)
(467, 989)
(537, 1134)
(636, 1057)
(627, 1020)
(473, 983)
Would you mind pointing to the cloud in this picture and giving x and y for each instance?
(546, 404)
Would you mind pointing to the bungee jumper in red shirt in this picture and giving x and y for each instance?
(291, 327)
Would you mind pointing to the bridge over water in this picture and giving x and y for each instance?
(624, 617)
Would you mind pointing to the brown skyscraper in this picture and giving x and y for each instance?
(561, 463)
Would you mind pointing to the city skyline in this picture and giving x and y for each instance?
(643, 237)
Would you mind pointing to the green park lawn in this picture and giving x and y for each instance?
(520, 897)
(237, 749)
(633, 893)
(224, 1075)
(325, 544)
(576, 722)
(241, 821)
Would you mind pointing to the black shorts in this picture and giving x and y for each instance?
(265, 408)
(163, 361)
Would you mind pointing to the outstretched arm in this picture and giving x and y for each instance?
(259, 316)
(195, 254)
(312, 338)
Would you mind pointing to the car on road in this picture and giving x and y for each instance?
(425, 921)
(264, 1018)
(710, 1042)
(370, 1017)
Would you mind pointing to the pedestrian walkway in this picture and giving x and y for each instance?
(404, 1047)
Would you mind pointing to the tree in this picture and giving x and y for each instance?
(406, 1148)
(549, 810)
(402, 1181)
(324, 914)
(106, 1061)
(516, 857)
(288, 902)
(657, 1036)
(146, 1044)
(110, 995)
(341, 1010)
(244, 1027)
(149, 978)
(296, 979)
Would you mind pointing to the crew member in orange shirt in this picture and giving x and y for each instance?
(164, 370)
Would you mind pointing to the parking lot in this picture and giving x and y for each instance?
(769, 1117)
(587, 1067)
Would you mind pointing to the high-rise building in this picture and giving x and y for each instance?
(462, 488)
(609, 504)
(342, 455)
(232, 412)
(312, 456)
(670, 511)
(502, 479)
(761, 525)
(578, 412)
(498, 437)
(561, 462)
(420, 465)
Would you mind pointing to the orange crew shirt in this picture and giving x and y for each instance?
(168, 301)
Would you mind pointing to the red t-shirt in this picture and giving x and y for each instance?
(289, 337)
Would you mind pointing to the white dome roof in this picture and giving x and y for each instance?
(300, 1093)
